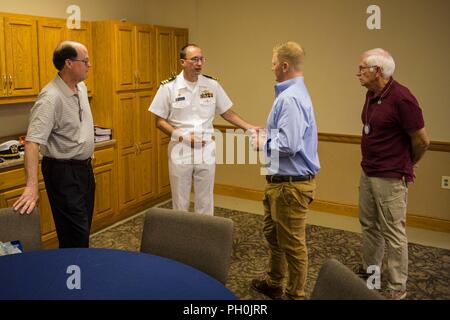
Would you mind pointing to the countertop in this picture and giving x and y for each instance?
(7, 164)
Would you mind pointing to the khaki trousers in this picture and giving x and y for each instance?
(285, 206)
(382, 213)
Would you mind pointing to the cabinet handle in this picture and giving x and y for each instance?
(10, 84)
(5, 84)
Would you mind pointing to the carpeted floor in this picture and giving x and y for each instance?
(429, 267)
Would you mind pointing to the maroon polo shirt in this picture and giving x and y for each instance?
(386, 150)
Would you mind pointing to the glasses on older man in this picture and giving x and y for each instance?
(362, 68)
(85, 61)
(196, 59)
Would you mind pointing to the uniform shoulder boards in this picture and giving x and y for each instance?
(168, 80)
(210, 77)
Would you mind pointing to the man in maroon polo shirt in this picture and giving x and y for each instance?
(394, 139)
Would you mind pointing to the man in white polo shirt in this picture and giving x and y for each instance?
(185, 107)
(62, 129)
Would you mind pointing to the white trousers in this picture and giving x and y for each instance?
(187, 164)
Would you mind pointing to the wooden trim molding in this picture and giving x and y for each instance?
(440, 146)
(339, 138)
(343, 209)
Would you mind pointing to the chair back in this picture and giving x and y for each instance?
(201, 241)
(337, 282)
(23, 227)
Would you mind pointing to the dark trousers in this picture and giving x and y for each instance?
(71, 192)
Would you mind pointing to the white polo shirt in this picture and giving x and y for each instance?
(61, 122)
(187, 108)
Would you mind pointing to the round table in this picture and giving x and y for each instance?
(103, 274)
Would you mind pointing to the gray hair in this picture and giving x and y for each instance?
(380, 58)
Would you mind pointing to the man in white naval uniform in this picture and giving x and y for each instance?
(184, 105)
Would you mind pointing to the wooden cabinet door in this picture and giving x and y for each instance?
(163, 168)
(127, 149)
(104, 191)
(84, 36)
(125, 58)
(47, 223)
(3, 74)
(50, 33)
(21, 56)
(164, 54)
(146, 150)
(145, 57)
(180, 39)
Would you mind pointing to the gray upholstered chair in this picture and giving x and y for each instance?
(201, 241)
(26, 228)
(337, 282)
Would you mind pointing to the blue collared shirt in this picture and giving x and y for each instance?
(292, 131)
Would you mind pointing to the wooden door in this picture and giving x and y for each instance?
(3, 74)
(146, 150)
(163, 168)
(145, 57)
(180, 39)
(84, 36)
(127, 149)
(104, 191)
(125, 58)
(21, 56)
(164, 53)
(50, 34)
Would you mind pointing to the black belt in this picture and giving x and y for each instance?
(280, 179)
(86, 162)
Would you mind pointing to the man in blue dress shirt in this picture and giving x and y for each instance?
(291, 148)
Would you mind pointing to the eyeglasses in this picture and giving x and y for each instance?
(361, 68)
(196, 59)
(85, 61)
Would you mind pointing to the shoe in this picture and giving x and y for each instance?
(275, 293)
(396, 294)
(361, 272)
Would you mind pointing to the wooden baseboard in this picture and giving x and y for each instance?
(343, 209)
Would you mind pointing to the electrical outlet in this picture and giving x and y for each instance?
(445, 183)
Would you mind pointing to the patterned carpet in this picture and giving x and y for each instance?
(429, 267)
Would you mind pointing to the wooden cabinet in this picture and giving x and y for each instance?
(52, 32)
(136, 149)
(125, 87)
(135, 56)
(19, 70)
(169, 43)
(105, 185)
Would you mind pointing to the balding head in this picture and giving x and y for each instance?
(66, 50)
